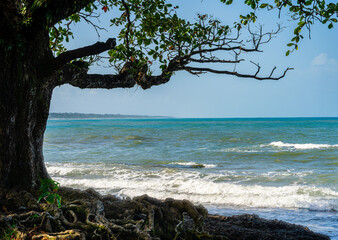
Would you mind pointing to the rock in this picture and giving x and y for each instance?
(70, 194)
(16, 200)
(245, 227)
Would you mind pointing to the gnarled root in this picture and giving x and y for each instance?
(88, 215)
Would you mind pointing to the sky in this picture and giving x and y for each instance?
(310, 90)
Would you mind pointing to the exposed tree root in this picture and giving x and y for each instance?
(88, 215)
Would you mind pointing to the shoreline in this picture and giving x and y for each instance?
(85, 214)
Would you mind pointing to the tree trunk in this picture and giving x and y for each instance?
(25, 96)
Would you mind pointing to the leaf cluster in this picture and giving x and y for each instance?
(152, 31)
(61, 32)
(49, 193)
(304, 12)
(153, 35)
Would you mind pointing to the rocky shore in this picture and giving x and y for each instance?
(89, 215)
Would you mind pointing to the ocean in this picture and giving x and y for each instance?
(277, 168)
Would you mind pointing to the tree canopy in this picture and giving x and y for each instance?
(152, 32)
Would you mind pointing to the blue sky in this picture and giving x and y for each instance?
(311, 90)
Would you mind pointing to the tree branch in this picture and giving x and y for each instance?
(76, 75)
(107, 81)
(57, 10)
(94, 49)
(214, 60)
(211, 53)
(127, 13)
(199, 70)
(147, 81)
(218, 49)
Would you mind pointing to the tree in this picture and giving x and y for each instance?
(34, 61)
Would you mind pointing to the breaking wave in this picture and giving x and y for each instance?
(301, 145)
(212, 188)
(193, 164)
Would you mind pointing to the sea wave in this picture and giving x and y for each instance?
(276, 147)
(251, 149)
(301, 145)
(194, 165)
(199, 188)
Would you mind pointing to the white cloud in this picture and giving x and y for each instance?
(323, 62)
(320, 60)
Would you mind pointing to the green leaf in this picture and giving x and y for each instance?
(50, 199)
(58, 200)
(42, 196)
(307, 3)
(301, 23)
(287, 53)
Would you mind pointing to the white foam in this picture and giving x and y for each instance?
(277, 144)
(251, 149)
(197, 187)
(57, 170)
(301, 145)
(193, 164)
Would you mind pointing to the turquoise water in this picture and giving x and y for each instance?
(277, 168)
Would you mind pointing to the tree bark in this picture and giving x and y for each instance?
(25, 96)
(28, 74)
